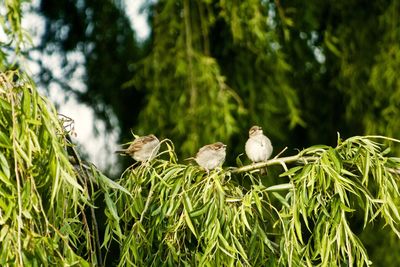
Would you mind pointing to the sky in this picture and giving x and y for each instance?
(138, 19)
(99, 147)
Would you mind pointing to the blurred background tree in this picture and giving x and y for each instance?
(211, 69)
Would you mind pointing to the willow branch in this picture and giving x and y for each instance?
(9, 86)
(189, 51)
(275, 161)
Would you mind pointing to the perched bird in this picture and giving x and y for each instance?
(211, 156)
(142, 149)
(258, 146)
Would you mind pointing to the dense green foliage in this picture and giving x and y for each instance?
(166, 213)
(42, 202)
(177, 215)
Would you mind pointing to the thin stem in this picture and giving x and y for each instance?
(274, 161)
(84, 169)
(149, 197)
(280, 153)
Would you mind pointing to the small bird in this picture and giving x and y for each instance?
(211, 156)
(258, 146)
(142, 149)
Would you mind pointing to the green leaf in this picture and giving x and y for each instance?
(71, 180)
(281, 199)
(297, 226)
(3, 232)
(257, 200)
(5, 105)
(239, 162)
(201, 211)
(244, 218)
(110, 183)
(5, 179)
(26, 103)
(291, 171)
(5, 141)
(111, 207)
(4, 165)
(280, 187)
(189, 223)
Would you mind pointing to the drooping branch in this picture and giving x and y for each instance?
(189, 52)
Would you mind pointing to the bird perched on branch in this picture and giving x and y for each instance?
(211, 156)
(258, 146)
(142, 149)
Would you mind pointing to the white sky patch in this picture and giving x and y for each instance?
(99, 147)
(138, 19)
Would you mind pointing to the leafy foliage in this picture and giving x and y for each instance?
(355, 176)
(213, 92)
(42, 203)
(46, 203)
(166, 213)
(175, 214)
(207, 70)
(14, 37)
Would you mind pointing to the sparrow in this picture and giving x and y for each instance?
(142, 149)
(258, 146)
(211, 156)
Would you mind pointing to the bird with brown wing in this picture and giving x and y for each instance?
(211, 156)
(144, 148)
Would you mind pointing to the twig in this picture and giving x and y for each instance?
(274, 161)
(146, 206)
(280, 153)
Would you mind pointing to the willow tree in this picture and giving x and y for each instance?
(303, 70)
(224, 73)
(210, 70)
(166, 213)
(43, 217)
(47, 214)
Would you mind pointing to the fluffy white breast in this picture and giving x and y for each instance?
(258, 148)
